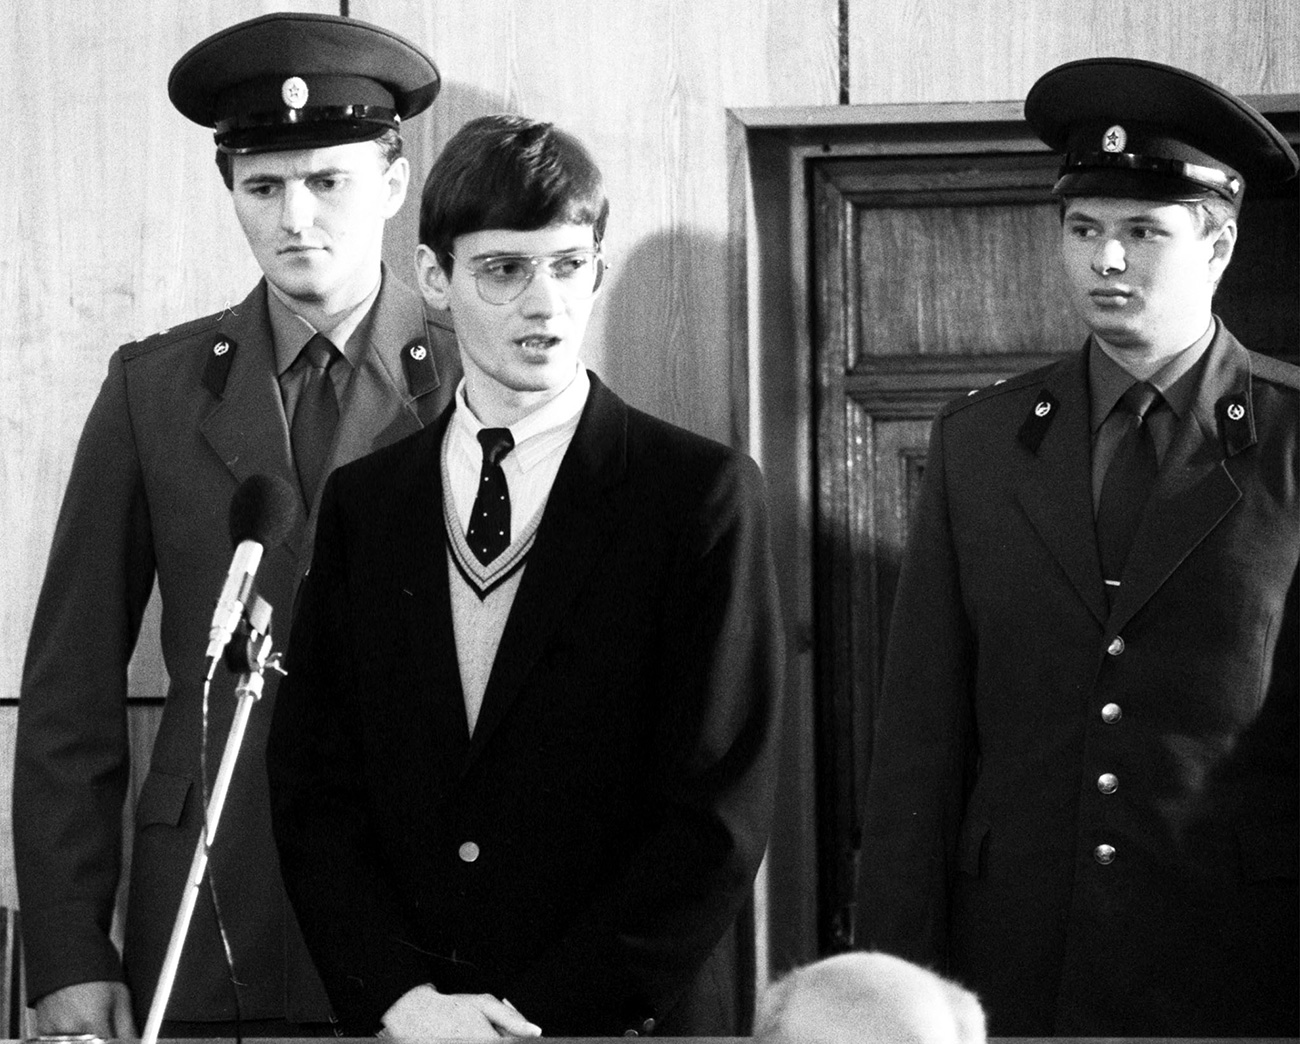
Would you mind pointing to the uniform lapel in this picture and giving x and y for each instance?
(1194, 490)
(380, 408)
(579, 519)
(1057, 494)
(246, 425)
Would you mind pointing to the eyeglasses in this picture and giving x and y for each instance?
(503, 277)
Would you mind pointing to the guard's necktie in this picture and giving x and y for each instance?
(315, 417)
(1128, 482)
(489, 522)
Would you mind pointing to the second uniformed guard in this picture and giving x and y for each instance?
(328, 357)
(1083, 796)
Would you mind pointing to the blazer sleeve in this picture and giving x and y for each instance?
(639, 943)
(71, 758)
(922, 739)
(347, 904)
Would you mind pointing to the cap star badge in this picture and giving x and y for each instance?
(294, 92)
(1114, 139)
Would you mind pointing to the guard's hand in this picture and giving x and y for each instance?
(424, 1015)
(101, 1008)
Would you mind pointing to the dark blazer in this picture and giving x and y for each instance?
(182, 418)
(618, 786)
(1010, 690)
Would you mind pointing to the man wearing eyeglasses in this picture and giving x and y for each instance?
(522, 767)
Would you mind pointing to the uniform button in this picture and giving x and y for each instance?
(1111, 713)
(1116, 646)
(1104, 854)
(648, 1026)
(1108, 782)
(631, 1033)
(468, 852)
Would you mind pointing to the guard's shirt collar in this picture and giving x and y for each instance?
(1176, 380)
(290, 331)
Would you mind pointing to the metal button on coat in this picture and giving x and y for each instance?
(1116, 646)
(1108, 782)
(1111, 713)
(468, 852)
(1104, 854)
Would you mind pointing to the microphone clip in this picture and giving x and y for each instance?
(249, 649)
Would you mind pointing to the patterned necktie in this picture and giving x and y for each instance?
(489, 521)
(315, 417)
(1128, 482)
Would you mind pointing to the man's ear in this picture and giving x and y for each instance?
(430, 278)
(1224, 242)
(397, 177)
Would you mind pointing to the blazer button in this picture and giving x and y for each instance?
(1108, 782)
(1104, 854)
(468, 852)
(1111, 713)
(1116, 646)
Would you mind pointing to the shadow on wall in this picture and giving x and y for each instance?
(664, 320)
(422, 140)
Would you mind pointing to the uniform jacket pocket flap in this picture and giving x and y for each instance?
(1269, 852)
(162, 799)
(970, 848)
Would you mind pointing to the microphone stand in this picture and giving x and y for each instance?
(249, 652)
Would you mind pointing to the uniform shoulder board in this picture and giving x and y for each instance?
(171, 335)
(417, 361)
(998, 387)
(1268, 368)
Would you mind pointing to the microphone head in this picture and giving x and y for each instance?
(262, 511)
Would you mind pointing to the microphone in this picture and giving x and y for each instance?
(261, 513)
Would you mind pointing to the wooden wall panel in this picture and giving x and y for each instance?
(114, 224)
(646, 87)
(993, 50)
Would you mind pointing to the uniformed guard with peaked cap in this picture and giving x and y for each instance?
(182, 418)
(1142, 130)
(300, 81)
(1083, 801)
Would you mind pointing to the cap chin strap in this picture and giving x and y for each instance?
(1225, 184)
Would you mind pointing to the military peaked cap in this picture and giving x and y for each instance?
(301, 81)
(1139, 129)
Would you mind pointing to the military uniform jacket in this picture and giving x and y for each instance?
(182, 418)
(584, 852)
(1089, 815)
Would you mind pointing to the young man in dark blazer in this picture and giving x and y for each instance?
(1083, 797)
(522, 767)
(306, 110)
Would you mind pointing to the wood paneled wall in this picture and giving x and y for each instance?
(114, 224)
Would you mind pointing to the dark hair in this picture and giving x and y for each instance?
(390, 149)
(509, 172)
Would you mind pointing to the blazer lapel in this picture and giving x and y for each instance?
(1194, 490)
(246, 426)
(580, 517)
(425, 611)
(1057, 494)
